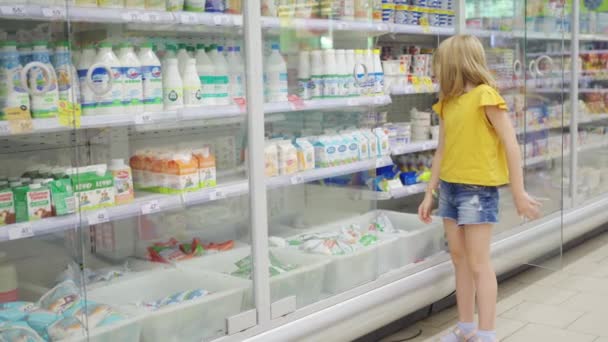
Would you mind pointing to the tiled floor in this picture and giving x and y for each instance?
(543, 305)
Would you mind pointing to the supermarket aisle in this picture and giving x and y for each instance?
(544, 305)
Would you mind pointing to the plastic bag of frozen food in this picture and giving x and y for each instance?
(65, 328)
(41, 319)
(60, 298)
(172, 251)
(92, 313)
(177, 298)
(18, 332)
(383, 224)
(15, 311)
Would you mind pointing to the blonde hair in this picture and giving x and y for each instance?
(460, 60)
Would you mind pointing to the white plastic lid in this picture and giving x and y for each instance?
(118, 163)
(35, 186)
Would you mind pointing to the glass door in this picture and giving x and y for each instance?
(525, 47)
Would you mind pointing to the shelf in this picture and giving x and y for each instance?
(416, 146)
(159, 202)
(198, 113)
(409, 89)
(589, 118)
(519, 34)
(408, 190)
(533, 161)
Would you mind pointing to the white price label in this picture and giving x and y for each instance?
(132, 16)
(216, 195)
(150, 207)
(53, 12)
(379, 100)
(380, 163)
(188, 18)
(21, 231)
(297, 179)
(394, 184)
(352, 102)
(98, 216)
(14, 10)
(152, 17)
(222, 20)
(5, 129)
(144, 118)
(341, 26)
(381, 27)
(238, 20)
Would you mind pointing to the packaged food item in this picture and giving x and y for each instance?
(62, 196)
(288, 158)
(32, 202)
(383, 141)
(123, 182)
(172, 251)
(176, 298)
(137, 170)
(364, 145)
(60, 298)
(66, 328)
(94, 186)
(306, 154)
(41, 319)
(245, 267)
(18, 332)
(181, 173)
(325, 152)
(7, 207)
(206, 167)
(15, 311)
(271, 156)
(92, 313)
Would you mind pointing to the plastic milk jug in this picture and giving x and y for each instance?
(204, 68)
(67, 77)
(152, 79)
(12, 91)
(173, 87)
(111, 101)
(87, 96)
(353, 90)
(221, 77)
(192, 85)
(316, 74)
(342, 73)
(43, 105)
(276, 76)
(237, 72)
(304, 81)
(132, 78)
(182, 57)
(330, 74)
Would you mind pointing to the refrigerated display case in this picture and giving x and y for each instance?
(234, 170)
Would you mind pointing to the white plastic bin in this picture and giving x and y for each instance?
(189, 321)
(304, 282)
(127, 330)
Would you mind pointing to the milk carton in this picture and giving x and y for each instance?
(325, 152)
(353, 147)
(206, 167)
(94, 186)
(306, 154)
(123, 182)
(342, 155)
(271, 158)
(7, 207)
(364, 145)
(32, 202)
(383, 141)
(181, 173)
(374, 150)
(156, 164)
(288, 158)
(62, 196)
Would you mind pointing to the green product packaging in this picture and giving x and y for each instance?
(94, 187)
(7, 207)
(32, 202)
(20, 200)
(62, 195)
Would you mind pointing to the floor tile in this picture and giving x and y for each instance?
(428, 334)
(550, 315)
(507, 327)
(441, 318)
(591, 323)
(544, 294)
(537, 332)
(601, 339)
(588, 302)
(588, 269)
(507, 304)
(541, 276)
(589, 285)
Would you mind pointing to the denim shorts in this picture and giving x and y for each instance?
(468, 204)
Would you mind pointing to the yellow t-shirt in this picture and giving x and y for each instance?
(473, 152)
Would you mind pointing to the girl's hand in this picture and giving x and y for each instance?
(527, 206)
(424, 210)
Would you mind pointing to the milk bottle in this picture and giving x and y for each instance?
(192, 85)
(221, 77)
(378, 73)
(236, 71)
(304, 81)
(170, 52)
(87, 96)
(175, 5)
(43, 105)
(25, 54)
(217, 6)
(67, 76)
(342, 73)
(111, 101)
(182, 57)
(159, 5)
(362, 72)
(111, 3)
(204, 68)
(316, 74)
(173, 87)
(151, 78)
(276, 76)
(331, 88)
(132, 77)
(353, 90)
(194, 5)
(140, 4)
(12, 91)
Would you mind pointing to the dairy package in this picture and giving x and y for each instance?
(7, 207)
(181, 173)
(374, 143)
(325, 152)
(306, 154)
(271, 158)
(364, 145)
(32, 202)
(123, 182)
(63, 200)
(288, 158)
(353, 147)
(383, 142)
(94, 186)
(206, 167)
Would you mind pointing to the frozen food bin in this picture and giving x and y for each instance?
(128, 329)
(188, 321)
(305, 282)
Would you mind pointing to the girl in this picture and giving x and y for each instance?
(477, 153)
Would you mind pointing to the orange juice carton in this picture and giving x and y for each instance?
(181, 173)
(123, 182)
(206, 167)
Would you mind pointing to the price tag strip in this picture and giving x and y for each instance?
(53, 12)
(216, 195)
(20, 231)
(19, 120)
(98, 216)
(69, 114)
(144, 119)
(296, 102)
(13, 10)
(150, 207)
(297, 179)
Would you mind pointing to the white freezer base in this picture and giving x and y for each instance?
(394, 295)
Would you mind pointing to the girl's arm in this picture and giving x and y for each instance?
(424, 210)
(526, 205)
